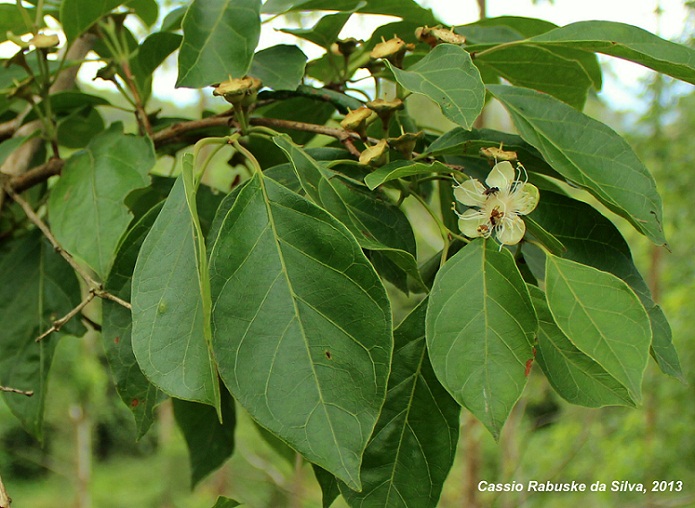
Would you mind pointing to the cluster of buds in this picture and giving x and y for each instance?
(438, 35)
(239, 91)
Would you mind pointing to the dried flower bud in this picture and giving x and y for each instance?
(357, 120)
(392, 50)
(438, 35)
(345, 47)
(497, 154)
(405, 143)
(44, 41)
(376, 155)
(239, 90)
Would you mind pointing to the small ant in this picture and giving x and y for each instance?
(491, 190)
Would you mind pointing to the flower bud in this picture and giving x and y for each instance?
(438, 35)
(345, 47)
(237, 91)
(357, 120)
(385, 109)
(392, 50)
(376, 155)
(43, 41)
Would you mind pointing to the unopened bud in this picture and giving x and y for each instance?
(438, 35)
(44, 41)
(392, 50)
(405, 143)
(240, 91)
(345, 47)
(357, 120)
(376, 155)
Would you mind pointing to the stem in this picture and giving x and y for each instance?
(141, 114)
(25, 17)
(5, 500)
(255, 166)
(59, 323)
(8, 389)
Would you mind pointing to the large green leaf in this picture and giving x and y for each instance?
(574, 375)
(279, 67)
(376, 224)
(597, 158)
(170, 311)
(36, 287)
(302, 325)
(406, 9)
(542, 69)
(11, 20)
(86, 208)
(591, 239)
(602, 317)
(325, 32)
(329, 486)
(78, 15)
(448, 77)
(627, 42)
(414, 442)
(210, 442)
(132, 386)
(219, 38)
(480, 326)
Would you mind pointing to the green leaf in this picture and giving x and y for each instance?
(602, 317)
(402, 169)
(86, 206)
(11, 144)
(480, 326)
(146, 10)
(375, 222)
(575, 376)
(210, 442)
(329, 486)
(153, 51)
(11, 20)
(406, 9)
(448, 77)
(541, 69)
(132, 386)
(591, 239)
(170, 338)
(37, 287)
(78, 129)
(173, 20)
(598, 160)
(219, 38)
(226, 502)
(325, 32)
(77, 15)
(414, 442)
(302, 325)
(626, 42)
(279, 67)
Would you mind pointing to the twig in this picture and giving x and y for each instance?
(175, 131)
(36, 175)
(59, 323)
(93, 286)
(5, 500)
(8, 389)
(141, 114)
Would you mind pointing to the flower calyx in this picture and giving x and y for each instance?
(438, 35)
(385, 109)
(345, 47)
(496, 207)
(497, 154)
(405, 143)
(239, 91)
(375, 155)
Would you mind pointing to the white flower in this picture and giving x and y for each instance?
(496, 208)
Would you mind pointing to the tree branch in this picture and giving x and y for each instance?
(15, 390)
(93, 286)
(5, 500)
(36, 175)
(59, 323)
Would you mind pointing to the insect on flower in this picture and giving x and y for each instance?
(497, 208)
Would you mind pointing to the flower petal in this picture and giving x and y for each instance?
(526, 199)
(511, 230)
(501, 176)
(470, 193)
(473, 223)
